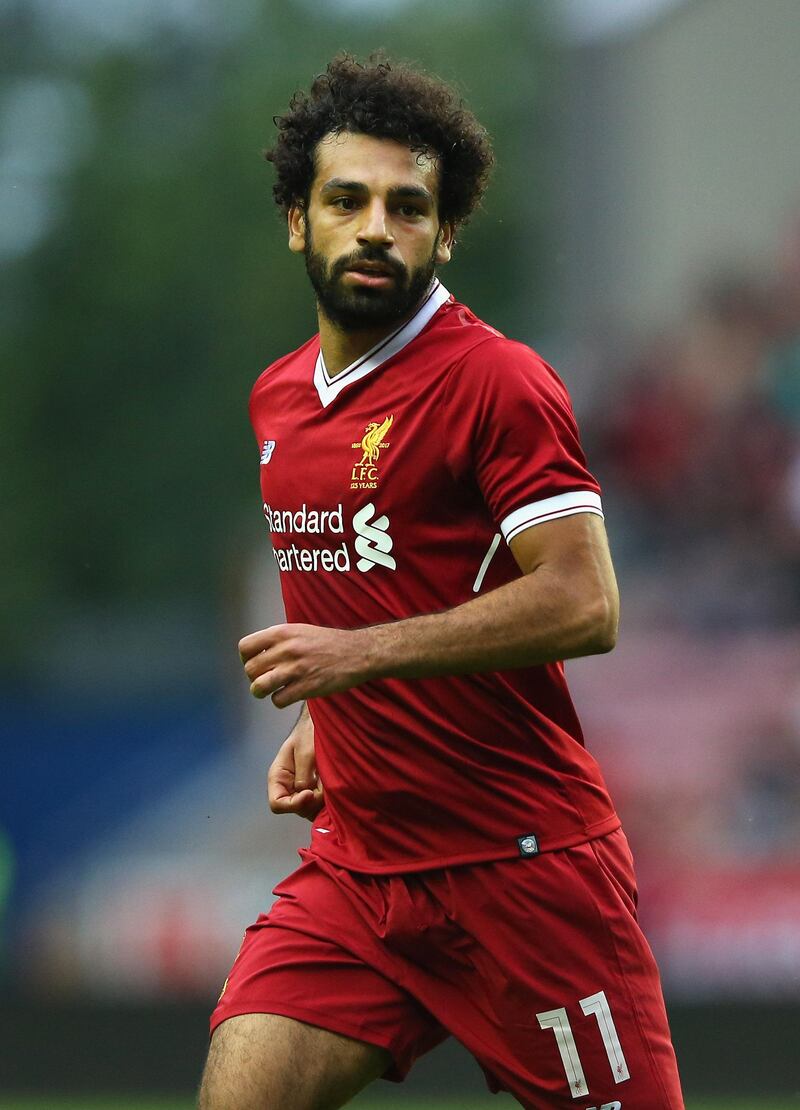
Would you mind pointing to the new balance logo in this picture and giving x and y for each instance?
(373, 542)
(266, 451)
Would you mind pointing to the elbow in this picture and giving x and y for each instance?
(602, 623)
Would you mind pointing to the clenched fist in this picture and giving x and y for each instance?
(293, 785)
(292, 662)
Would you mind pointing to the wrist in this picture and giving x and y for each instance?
(375, 651)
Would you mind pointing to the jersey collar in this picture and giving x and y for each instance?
(329, 388)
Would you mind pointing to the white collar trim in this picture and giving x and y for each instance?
(329, 388)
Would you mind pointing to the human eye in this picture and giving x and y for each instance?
(344, 203)
(410, 211)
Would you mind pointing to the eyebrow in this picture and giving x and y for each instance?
(393, 192)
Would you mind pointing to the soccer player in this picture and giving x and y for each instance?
(441, 550)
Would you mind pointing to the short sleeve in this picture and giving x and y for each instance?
(510, 420)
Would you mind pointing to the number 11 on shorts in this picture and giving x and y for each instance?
(558, 1021)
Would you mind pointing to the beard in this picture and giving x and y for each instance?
(356, 308)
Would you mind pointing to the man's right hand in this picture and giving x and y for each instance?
(293, 785)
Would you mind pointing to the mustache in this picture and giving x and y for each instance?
(369, 254)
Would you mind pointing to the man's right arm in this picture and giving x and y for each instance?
(293, 784)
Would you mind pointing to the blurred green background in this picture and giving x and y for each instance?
(642, 232)
(151, 282)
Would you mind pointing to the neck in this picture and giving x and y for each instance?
(341, 348)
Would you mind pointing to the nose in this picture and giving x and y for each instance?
(375, 228)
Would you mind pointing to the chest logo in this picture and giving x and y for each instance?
(373, 542)
(266, 451)
(364, 474)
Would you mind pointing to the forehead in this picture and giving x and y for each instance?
(374, 162)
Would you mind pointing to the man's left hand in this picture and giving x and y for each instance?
(292, 662)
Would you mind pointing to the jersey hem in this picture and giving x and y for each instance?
(498, 852)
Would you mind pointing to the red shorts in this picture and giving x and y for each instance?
(537, 965)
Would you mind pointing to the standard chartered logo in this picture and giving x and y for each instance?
(373, 542)
(314, 551)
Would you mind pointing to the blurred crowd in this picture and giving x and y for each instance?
(697, 440)
(695, 434)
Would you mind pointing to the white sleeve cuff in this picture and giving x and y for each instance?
(551, 508)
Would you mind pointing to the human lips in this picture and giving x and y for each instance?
(371, 274)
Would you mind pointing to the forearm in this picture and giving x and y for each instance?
(564, 605)
(538, 618)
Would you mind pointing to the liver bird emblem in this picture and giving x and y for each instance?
(374, 436)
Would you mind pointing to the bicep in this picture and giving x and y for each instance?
(573, 547)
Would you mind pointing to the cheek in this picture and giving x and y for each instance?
(420, 248)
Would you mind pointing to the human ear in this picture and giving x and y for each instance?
(297, 229)
(444, 244)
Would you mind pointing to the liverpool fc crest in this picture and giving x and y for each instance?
(364, 474)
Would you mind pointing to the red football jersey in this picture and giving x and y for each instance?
(388, 491)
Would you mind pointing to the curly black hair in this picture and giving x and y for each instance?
(389, 101)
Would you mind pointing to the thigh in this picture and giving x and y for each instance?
(315, 958)
(269, 1062)
(566, 1005)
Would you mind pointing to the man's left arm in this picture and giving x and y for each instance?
(564, 605)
